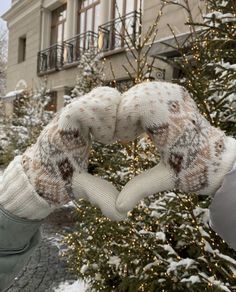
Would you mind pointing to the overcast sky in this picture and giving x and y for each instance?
(4, 6)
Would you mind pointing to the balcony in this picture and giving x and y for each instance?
(75, 47)
(58, 56)
(51, 59)
(119, 32)
(115, 34)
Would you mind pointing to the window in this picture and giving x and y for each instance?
(88, 16)
(58, 25)
(122, 27)
(120, 8)
(21, 49)
(177, 73)
(123, 7)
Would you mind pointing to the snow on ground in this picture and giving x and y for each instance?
(77, 286)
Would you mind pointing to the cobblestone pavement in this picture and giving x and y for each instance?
(46, 268)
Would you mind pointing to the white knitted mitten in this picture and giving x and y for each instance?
(99, 192)
(42, 179)
(194, 155)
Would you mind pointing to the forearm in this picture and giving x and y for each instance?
(152, 181)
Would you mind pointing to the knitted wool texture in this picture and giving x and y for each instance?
(18, 196)
(63, 146)
(195, 156)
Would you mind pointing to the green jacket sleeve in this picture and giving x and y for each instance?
(18, 238)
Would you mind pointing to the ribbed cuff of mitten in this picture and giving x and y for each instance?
(227, 160)
(18, 196)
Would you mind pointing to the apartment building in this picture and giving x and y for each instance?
(47, 38)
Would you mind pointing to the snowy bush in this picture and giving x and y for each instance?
(90, 73)
(29, 117)
(207, 61)
(167, 243)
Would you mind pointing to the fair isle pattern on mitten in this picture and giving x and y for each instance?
(63, 146)
(197, 154)
(51, 162)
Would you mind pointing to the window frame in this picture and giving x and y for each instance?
(22, 44)
(57, 23)
(85, 10)
(124, 8)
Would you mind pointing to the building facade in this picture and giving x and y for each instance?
(47, 38)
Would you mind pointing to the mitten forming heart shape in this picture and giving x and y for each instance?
(195, 156)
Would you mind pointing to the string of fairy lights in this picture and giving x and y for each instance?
(139, 242)
(211, 46)
(186, 205)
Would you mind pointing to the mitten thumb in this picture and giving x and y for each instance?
(98, 192)
(154, 180)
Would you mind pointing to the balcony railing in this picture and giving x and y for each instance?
(112, 35)
(50, 59)
(76, 46)
(69, 52)
(116, 33)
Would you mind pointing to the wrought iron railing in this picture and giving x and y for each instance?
(76, 46)
(50, 59)
(70, 51)
(119, 32)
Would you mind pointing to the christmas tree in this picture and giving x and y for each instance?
(207, 61)
(166, 244)
(29, 117)
(89, 73)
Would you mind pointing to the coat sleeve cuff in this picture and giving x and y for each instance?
(18, 239)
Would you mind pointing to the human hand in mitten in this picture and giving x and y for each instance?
(195, 156)
(53, 170)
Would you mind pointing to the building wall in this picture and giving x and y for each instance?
(173, 15)
(118, 64)
(32, 18)
(28, 26)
